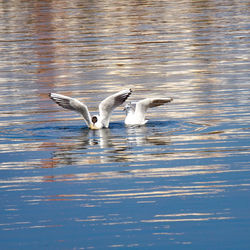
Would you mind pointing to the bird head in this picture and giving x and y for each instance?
(94, 119)
(96, 123)
(129, 107)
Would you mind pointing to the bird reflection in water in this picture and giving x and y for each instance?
(117, 144)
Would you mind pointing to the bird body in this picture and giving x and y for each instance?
(105, 107)
(136, 112)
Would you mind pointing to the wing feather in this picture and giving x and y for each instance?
(110, 103)
(143, 105)
(154, 102)
(72, 104)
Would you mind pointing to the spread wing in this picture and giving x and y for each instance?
(110, 103)
(143, 105)
(72, 104)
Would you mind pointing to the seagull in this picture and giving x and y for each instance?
(135, 112)
(105, 107)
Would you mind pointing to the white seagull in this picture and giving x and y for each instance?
(136, 112)
(105, 107)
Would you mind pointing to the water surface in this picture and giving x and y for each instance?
(182, 181)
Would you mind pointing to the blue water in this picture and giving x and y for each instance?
(182, 181)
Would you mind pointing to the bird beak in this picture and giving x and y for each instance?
(92, 126)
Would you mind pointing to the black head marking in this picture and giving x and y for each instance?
(94, 119)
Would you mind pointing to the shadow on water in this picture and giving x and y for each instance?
(115, 128)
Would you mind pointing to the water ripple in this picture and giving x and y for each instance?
(183, 179)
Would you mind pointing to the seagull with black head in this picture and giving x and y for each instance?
(105, 107)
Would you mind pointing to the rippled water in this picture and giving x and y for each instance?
(181, 181)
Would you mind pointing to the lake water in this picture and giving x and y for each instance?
(180, 182)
